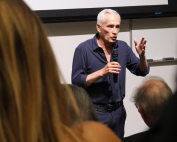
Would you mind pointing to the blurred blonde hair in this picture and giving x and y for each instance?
(32, 104)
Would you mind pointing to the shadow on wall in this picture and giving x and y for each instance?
(89, 27)
(77, 28)
(156, 23)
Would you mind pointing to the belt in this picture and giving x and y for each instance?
(109, 107)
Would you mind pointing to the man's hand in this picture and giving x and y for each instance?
(111, 67)
(140, 48)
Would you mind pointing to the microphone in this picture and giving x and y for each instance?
(115, 56)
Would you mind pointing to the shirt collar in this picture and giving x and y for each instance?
(95, 44)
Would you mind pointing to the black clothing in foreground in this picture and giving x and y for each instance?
(165, 129)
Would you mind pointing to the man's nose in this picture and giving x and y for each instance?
(115, 30)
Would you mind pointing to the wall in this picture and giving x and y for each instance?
(64, 38)
(80, 4)
(161, 34)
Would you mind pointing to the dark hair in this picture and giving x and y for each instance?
(84, 103)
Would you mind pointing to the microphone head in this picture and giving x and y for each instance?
(114, 54)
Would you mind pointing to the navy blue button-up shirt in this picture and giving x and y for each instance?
(89, 57)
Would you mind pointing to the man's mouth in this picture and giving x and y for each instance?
(114, 38)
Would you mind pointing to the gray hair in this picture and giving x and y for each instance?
(101, 15)
(152, 96)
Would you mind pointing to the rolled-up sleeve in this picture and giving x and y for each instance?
(79, 75)
(133, 64)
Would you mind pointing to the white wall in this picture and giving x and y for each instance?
(64, 38)
(161, 34)
(69, 4)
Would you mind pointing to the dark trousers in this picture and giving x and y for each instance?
(114, 119)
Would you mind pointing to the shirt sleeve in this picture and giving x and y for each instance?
(133, 63)
(79, 75)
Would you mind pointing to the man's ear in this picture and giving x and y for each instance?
(141, 111)
(146, 119)
(98, 27)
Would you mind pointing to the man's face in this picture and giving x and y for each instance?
(110, 28)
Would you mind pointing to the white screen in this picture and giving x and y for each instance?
(79, 4)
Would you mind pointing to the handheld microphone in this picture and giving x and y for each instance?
(115, 56)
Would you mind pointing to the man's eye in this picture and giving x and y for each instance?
(110, 26)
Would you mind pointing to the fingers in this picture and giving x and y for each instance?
(114, 70)
(135, 41)
(142, 44)
(114, 64)
(113, 67)
(142, 40)
(145, 42)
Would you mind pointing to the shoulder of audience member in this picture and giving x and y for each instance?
(92, 131)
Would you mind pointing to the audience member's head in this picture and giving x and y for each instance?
(30, 87)
(84, 103)
(151, 97)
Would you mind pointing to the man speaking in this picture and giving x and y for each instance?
(94, 69)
